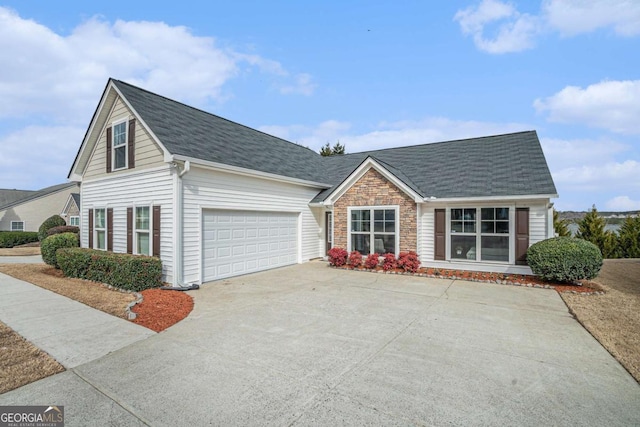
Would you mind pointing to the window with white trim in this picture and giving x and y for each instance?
(17, 225)
(100, 229)
(74, 220)
(119, 145)
(480, 234)
(142, 230)
(373, 230)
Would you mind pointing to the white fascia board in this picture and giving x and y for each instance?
(488, 198)
(359, 173)
(166, 152)
(249, 172)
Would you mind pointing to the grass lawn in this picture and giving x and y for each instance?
(20, 251)
(614, 318)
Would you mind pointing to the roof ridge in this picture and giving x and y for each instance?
(212, 114)
(439, 142)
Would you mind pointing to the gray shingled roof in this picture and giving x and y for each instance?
(37, 194)
(190, 132)
(501, 165)
(76, 198)
(8, 196)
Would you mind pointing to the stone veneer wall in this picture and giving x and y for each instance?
(373, 189)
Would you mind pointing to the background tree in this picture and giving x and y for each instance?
(328, 150)
(561, 226)
(629, 237)
(591, 228)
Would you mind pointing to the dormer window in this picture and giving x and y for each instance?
(120, 146)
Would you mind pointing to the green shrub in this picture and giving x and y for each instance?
(51, 244)
(52, 221)
(9, 239)
(565, 259)
(124, 271)
(63, 229)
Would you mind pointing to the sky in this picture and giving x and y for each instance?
(367, 74)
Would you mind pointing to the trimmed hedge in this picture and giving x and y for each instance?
(52, 221)
(63, 229)
(124, 271)
(9, 239)
(51, 244)
(565, 259)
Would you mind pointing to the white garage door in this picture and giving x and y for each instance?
(239, 242)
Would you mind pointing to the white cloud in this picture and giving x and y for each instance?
(622, 203)
(612, 105)
(61, 75)
(620, 175)
(572, 17)
(302, 85)
(515, 31)
(38, 156)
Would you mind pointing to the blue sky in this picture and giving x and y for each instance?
(368, 74)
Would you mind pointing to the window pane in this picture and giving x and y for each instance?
(119, 134)
(487, 227)
(502, 227)
(390, 227)
(143, 243)
(456, 227)
(469, 227)
(120, 157)
(100, 218)
(385, 243)
(456, 214)
(469, 214)
(142, 218)
(366, 215)
(378, 215)
(356, 215)
(17, 226)
(502, 213)
(390, 214)
(487, 214)
(100, 240)
(356, 226)
(495, 248)
(463, 247)
(366, 225)
(360, 243)
(378, 226)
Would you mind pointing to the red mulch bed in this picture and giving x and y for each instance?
(160, 309)
(503, 278)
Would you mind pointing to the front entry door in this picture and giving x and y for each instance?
(329, 230)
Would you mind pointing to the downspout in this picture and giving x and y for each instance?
(178, 280)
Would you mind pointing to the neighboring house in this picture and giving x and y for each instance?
(215, 199)
(27, 213)
(71, 210)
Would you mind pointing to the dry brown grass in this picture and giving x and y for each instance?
(20, 251)
(21, 362)
(90, 293)
(614, 318)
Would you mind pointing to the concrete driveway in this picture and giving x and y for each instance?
(309, 345)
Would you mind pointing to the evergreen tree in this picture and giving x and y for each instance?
(629, 237)
(560, 225)
(591, 228)
(328, 150)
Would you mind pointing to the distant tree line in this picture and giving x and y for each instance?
(623, 244)
(328, 150)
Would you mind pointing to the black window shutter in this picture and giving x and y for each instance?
(110, 229)
(440, 227)
(522, 235)
(109, 142)
(91, 228)
(131, 143)
(129, 230)
(156, 231)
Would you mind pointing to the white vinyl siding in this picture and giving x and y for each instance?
(207, 189)
(153, 187)
(537, 223)
(147, 153)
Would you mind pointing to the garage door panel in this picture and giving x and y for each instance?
(239, 242)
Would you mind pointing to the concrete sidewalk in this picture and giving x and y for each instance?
(71, 332)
